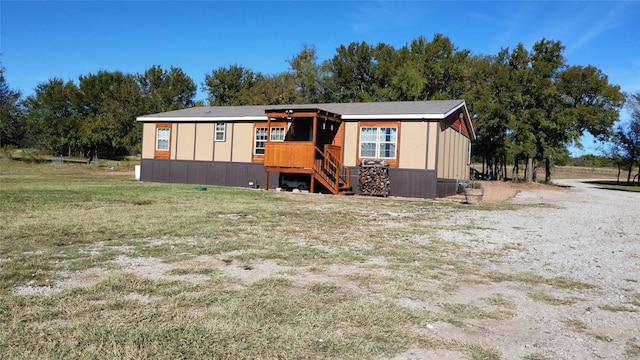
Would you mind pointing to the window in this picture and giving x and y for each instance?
(378, 142)
(220, 131)
(162, 139)
(277, 134)
(260, 140)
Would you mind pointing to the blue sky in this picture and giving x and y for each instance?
(40, 40)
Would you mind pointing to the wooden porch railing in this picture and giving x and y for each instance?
(330, 171)
(289, 154)
(305, 157)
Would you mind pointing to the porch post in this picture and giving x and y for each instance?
(266, 172)
(315, 138)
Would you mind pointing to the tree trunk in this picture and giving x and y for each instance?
(547, 171)
(514, 171)
(529, 170)
(504, 168)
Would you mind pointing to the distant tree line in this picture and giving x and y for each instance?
(94, 117)
(527, 106)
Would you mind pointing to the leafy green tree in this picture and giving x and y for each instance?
(12, 127)
(53, 114)
(550, 131)
(488, 101)
(273, 90)
(591, 104)
(386, 61)
(533, 106)
(435, 70)
(166, 90)
(352, 73)
(308, 75)
(229, 86)
(110, 103)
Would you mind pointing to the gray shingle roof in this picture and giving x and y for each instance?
(411, 109)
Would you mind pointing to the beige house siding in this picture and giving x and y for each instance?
(222, 149)
(432, 145)
(452, 159)
(174, 141)
(148, 140)
(185, 143)
(241, 144)
(413, 146)
(204, 142)
(350, 150)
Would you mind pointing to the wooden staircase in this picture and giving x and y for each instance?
(330, 172)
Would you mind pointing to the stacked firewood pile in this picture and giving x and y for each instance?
(373, 178)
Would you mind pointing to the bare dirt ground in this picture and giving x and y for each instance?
(589, 235)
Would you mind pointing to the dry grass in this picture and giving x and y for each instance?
(97, 266)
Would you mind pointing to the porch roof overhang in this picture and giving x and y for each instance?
(297, 112)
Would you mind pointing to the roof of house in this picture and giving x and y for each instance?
(408, 110)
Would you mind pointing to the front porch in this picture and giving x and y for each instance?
(312, 145)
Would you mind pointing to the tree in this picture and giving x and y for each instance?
(626, 139)
(229, 86)
(538, 105)
(308, 75)
(488, 98)
(353, 73)
(110, 103)
(53, 115)
(435, 69)
(164, 90)
(273, 90)
(12, 127)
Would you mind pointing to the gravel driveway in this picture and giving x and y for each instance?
(590, 235)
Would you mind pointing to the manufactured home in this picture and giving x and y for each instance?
(424, 145)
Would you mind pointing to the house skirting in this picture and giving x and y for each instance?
(406, 182)
(448, 187)
(205, 173)
(403, 182)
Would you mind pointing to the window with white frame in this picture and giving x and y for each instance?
(220, 132)
(162, 139)
(277, 134)
(378, 142)
(260, 140)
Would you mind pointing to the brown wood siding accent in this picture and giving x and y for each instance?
(258, 157)
(338, 140)
(393, 163)
(459, 124)
(162, 154)
(295, 154)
